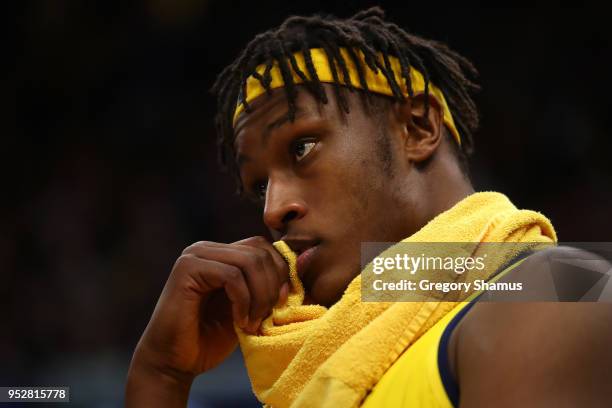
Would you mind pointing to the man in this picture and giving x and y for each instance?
(349, 131)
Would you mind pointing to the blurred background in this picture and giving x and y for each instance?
(109, 165)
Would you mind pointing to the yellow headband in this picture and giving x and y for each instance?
(376, 81)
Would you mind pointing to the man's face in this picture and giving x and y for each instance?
(325, 184)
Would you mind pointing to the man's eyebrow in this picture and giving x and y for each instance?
(275, 124)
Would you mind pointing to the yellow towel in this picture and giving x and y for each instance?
(312, 356)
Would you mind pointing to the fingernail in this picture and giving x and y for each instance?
(254, 326)
(283, 293)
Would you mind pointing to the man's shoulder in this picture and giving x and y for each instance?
(539, 347)
(563, 299)
(558, 274)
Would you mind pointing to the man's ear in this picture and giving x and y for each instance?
(422, 131)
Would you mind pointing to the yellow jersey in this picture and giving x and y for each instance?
(421, 376)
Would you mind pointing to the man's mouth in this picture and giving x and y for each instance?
(305, 250)
(304, 259)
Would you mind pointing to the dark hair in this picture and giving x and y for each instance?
(366, 31)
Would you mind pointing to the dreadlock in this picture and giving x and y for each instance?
(366, 31)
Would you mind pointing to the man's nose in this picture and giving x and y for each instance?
(283, 205)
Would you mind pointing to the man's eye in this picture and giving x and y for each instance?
(302, 148)
(260, 190)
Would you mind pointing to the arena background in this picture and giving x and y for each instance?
(109, 166)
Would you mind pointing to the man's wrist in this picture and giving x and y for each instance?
(152, 386)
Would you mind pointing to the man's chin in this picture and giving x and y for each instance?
(324, 289)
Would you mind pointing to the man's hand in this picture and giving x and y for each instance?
(211, 286)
